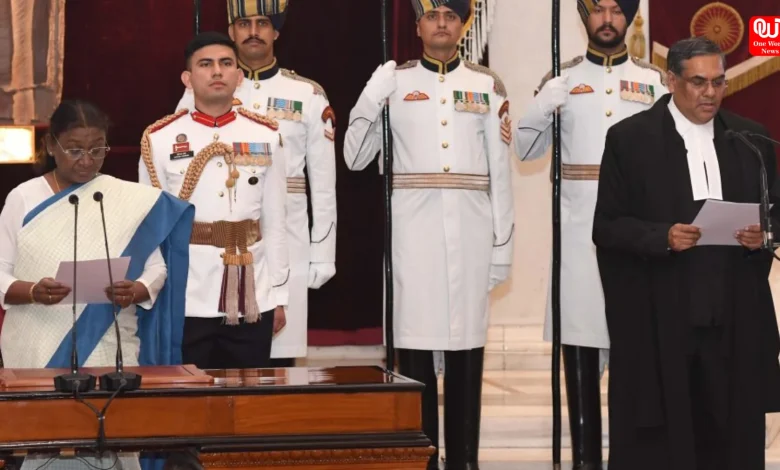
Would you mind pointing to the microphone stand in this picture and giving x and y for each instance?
(119, 379)
(764, 208)
(75, 381)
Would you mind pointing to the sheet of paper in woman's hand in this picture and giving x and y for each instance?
(719, 220)
(92, 278)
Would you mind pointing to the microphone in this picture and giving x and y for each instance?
(761, 136)
(119, 379)
(74, 381)
(765, 217)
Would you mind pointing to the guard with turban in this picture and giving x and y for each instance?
(462, 8)
(595, 91)
(274, 10)
(307, 125)
(453, 215)
(628, 7)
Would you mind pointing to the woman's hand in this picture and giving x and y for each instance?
(49, 292)
(128, 293)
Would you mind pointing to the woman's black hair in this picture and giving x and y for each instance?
(70, 114)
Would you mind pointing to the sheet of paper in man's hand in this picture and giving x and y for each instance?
(719, 220)
(92, 278)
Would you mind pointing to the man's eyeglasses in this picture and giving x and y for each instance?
(701, 83)
(97, 153)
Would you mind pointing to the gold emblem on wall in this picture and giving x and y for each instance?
(721, 23)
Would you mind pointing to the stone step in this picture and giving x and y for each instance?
(541, 459)
(523, 428)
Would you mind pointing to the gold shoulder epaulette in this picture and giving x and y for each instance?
(146, 144)
(259, 118)
(647, 65)
(318, 90)
(566, 65)
(166, 120)
(407, 65)
(498, 85)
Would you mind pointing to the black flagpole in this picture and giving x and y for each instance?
(196, 25)
(387, 149)
(556, 247)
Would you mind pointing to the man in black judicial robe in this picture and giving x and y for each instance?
(694, 339)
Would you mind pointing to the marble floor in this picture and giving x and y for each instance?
(517, 423)
(517, 406)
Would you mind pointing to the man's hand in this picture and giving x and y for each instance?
(682, 237)
(750, 237)
(553, 94)
(382, 83)
(280, 319)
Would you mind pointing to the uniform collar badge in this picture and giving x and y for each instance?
(212, 121)
(237, 102)
(635, 91)
(438, 66)
(580, 89)
(264, 73)
(416, 96)
(604, 60)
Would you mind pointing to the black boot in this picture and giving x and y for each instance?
(583, 391)
(418, 365)
(462, 407)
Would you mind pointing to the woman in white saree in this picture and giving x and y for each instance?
(36, 234)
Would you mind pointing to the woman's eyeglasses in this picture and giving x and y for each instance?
(97, 153)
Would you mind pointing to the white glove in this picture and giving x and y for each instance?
(382, 83)
(498, 274)
(553, 94)
(320, 273)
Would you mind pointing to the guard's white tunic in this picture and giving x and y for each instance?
(308, 130)
(444, 240)
(604, 91)
(264, 200)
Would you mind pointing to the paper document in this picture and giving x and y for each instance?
(92, 278)
(719, 220)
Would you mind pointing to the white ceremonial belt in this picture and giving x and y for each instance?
(296, 185)
(441, 181)
(580, 172)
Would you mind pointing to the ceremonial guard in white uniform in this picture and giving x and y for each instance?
(452, 213)
(593, 93)
(232, 168)
(307, 124)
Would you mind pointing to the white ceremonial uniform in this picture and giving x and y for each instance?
(259, 193)
(307, 124)
(603, 91)
(452, 199)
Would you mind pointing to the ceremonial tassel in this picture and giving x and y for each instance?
(231, 296)
(223, 290)
(251, 310)
(241, 289)
(637, 45)
(476, 29)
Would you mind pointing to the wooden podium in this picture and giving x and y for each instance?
(316, 419)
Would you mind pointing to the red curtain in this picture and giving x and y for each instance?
(672, 20)
(128, 57)
(405, 43)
